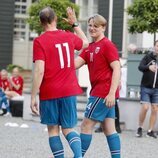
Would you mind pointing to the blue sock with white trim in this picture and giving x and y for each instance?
(75, 144)
(85, 141)
(56, 147)
(114, 145)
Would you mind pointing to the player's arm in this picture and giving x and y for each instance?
(37, 77)
(79, 62)
(81, 34)
(37, 80)
(110, 99)
(72, 21)
(17, 87)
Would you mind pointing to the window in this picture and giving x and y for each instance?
(20, 9)
(19, 23)
(19, 29)
(20, 36)
(24, 1)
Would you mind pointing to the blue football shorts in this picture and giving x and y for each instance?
(61, 111)
(97, 110)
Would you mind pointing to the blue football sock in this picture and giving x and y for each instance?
(56, 147)
(75, 144)
(114, 145)
(85, 141)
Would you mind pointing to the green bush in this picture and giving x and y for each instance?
(10, 67)
(58, 6)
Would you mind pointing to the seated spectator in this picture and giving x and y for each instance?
(16, 84)
(4, 85)
(3, 101)
(4, 80)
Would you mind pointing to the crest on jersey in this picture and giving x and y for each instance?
(97, 49)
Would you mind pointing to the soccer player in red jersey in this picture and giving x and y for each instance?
(55, 79)
(103, 64)
(16, 84)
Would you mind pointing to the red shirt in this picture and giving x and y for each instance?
(0, 81)
(5, 84)
(56, 49)
(98, 57)
(18, 81)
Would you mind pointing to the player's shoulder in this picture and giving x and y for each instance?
(108, 43)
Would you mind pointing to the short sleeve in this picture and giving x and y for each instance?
(111, 52)
(78, 43)
(38, 52)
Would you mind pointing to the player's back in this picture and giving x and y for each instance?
(58, 53)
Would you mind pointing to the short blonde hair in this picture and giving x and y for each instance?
(98, 20)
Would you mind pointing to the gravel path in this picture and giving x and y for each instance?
(32, 142)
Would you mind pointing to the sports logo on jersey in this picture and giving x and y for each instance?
(97, 49)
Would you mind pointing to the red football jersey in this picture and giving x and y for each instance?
(18, 81)
(5, 84)
(56, 49)
(98, 57)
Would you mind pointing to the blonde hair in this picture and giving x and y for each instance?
(98, 20)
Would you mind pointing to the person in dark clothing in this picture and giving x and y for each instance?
(149, 90)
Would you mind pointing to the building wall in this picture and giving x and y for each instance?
(103, 9)
(22, 45)
(6, 32)
(113, 11)
(117, 23)
(23, 54)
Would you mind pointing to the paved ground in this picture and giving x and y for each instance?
(31, 142)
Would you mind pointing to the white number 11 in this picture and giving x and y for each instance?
(59, 47)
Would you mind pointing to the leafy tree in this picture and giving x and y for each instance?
(144, 15)
(59, 7)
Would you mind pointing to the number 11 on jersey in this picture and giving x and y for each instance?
(60, 51)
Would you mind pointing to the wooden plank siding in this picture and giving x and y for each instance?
(117, 23)
(6, 32)
(117, 19)
(103, 9)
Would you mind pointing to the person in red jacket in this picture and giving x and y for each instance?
(5, 84)
(16, 84)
